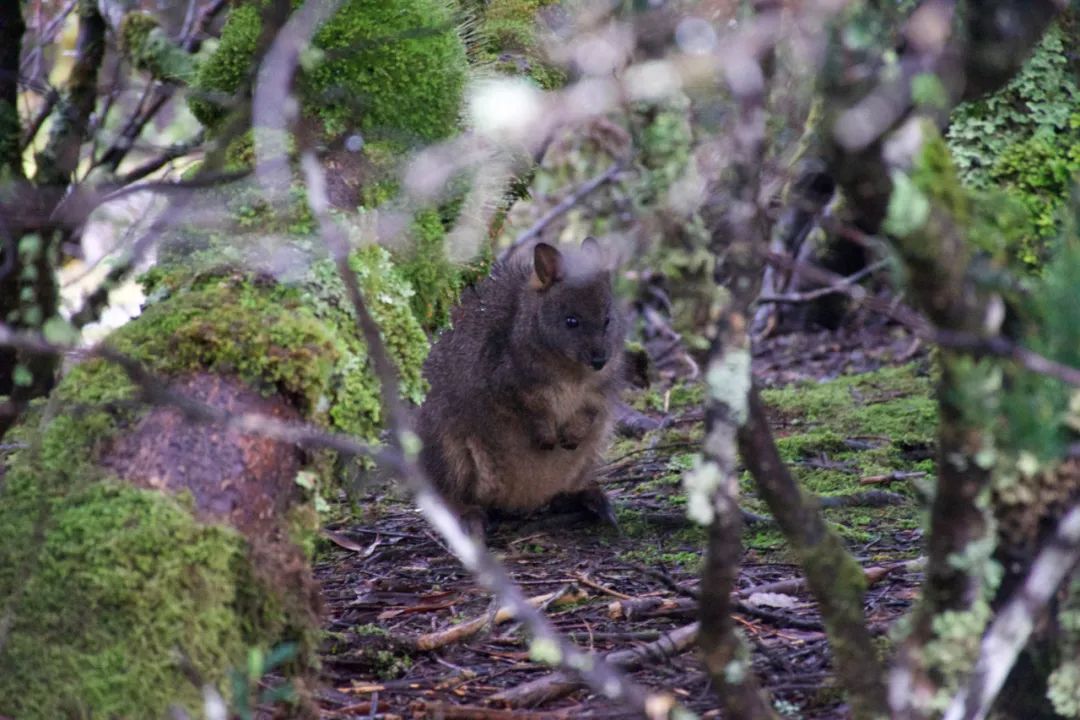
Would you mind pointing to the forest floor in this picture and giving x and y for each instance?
(852, 413)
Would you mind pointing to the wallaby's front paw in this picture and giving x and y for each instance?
(546, 438)
(569, 440)
(574, 432)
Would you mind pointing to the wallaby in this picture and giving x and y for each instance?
(523, 386)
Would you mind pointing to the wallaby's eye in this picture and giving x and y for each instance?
(607, 321)
(571, 321)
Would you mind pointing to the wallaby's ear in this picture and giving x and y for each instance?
(547, 266)
(595, 253)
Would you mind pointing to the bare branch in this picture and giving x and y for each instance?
(739, 234)
(557, 685)
(170, 153)
(273, 110)
(562, 207)
(844, 285)
(1012, 627)
(158, 93)
(58, 160)
(998, 346)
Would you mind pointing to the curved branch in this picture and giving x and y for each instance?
(58, 160)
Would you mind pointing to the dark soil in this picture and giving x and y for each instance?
(387, 579)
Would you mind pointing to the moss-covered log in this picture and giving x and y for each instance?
(137, 550)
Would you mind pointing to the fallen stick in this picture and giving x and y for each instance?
(461, 631)
(895, 476)
(559, 684)
(650, 607)
(446, 711)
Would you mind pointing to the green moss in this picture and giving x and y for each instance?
(935, 174)
(1024, 140)
(426, 267)
(393, 71)
(233, 326)
(149, 48)
(682, 396)
(892, 405)
(398, 67)
(510, 41)
(124, 581)
(299, 339)
(225, 72)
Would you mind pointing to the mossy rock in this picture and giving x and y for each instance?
(392, 71)
(122, 585)
(298, 338)
(117, 595)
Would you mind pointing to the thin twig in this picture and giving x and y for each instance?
(563, 206)
(844, 285)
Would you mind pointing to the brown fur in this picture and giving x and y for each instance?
(517, 414)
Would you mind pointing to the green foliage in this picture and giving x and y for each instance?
(1025, 139)
(437, 282)
(299, 339)
(1063, 689)
(509, 41)
(149, 48)
(223, 73)
(1063, 685)
(665, 138)
(1037, 407)
(355, 405)
(245, 685)
(393, 71)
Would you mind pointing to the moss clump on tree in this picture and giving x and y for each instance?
(149, 48)
(392, 71)
(223, 73)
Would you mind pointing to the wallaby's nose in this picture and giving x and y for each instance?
(598, 361)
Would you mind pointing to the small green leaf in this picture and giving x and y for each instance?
(29, 246)
(306, 479)
(22, 377)
(59, 331)
(256, 664)
(908, 207)
(928, 91)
